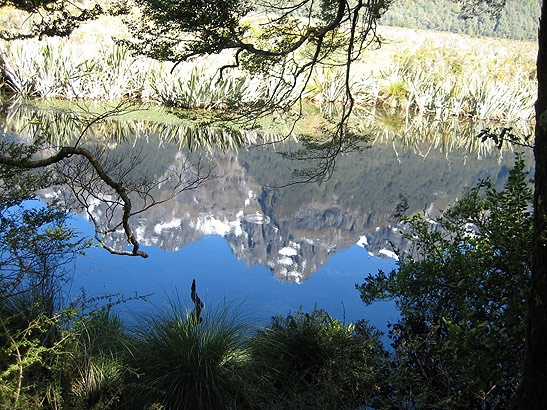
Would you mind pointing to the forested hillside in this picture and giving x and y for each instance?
(518, 20)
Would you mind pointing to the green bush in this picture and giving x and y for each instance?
(185, 363)
(30, 348)
(312, 361)
(462, 297)
(36, 247)
(98, 368)
(60, 359)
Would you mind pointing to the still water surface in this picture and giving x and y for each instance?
(276, 249)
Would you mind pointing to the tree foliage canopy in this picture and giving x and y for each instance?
(462, 297)
(517, 20)
(47, 17)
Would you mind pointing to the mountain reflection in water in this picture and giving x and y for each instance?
(294, 230)
(317, 240)
(235, 232)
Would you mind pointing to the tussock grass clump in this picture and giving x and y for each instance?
(312, 361)
(423, 72)
(99, 361)
(186, 363)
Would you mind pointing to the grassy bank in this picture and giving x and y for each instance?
(175, 359)
(443, 74)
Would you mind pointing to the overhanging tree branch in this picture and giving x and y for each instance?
(65, 152)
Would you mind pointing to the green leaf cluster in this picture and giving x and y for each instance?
(35, 242)
(70, 359)
(47, 18)
(462, 298)
(36, 247)
(169, 30)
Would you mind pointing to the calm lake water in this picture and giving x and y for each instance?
(274, 250)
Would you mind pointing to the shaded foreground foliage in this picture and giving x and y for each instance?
(312, 361)
(462, 297)
(36, 247)
(172, 361)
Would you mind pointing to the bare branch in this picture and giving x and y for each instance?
(66, 152)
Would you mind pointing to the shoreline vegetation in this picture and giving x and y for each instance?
(415, 71)
(404, 131)
(179, 359)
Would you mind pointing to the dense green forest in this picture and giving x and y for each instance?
(518, 20)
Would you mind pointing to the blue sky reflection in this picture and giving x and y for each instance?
(221, 276)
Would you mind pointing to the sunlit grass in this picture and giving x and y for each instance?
(417, 71)
(99, 360)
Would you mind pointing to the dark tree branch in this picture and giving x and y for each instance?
(65, 152)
